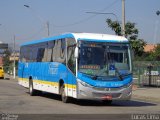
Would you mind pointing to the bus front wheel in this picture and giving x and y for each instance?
(64, 98)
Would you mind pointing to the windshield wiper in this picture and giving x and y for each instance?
(96, 76)
(122, 75)
(119, 74)
(90, 75)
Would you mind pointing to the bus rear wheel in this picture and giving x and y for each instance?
(32, 92)
(64, 98)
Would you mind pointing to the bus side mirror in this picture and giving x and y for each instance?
(76, 52)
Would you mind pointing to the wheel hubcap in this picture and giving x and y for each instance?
(30, 88)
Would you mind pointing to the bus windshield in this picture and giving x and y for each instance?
(104, 59)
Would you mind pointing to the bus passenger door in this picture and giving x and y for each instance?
(71, 85)
(71, 66)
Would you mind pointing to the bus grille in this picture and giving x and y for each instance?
(98, 95)
(107, 89)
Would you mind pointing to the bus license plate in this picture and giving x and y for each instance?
(107, 97)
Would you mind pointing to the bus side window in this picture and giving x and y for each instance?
(45, 54)
(56, 51)
(63, 50)
(25, 54)
(51, 45)
(34, 53)
(42, 52)
(60, 50)
(22, 54)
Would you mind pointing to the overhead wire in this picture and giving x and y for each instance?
(77, 22)
(33, 35)
(88, 18)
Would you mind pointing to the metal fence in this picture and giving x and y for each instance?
(146, 73)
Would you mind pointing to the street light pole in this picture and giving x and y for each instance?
(40, 18)
(14, 61)
(104, 13)
(123, 17)
(156, 28)
(47, 23)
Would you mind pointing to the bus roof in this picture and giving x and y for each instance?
(83, 36)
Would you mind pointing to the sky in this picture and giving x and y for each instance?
(29, 23)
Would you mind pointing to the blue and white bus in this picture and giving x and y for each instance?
(78, 65)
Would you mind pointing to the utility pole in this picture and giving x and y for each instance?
(14, 62)
(123, 17)
(47, 28)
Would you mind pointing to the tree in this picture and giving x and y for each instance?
(156, 53)
(131, 33)
(6, 62)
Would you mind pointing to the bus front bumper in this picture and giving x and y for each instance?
(85, 91)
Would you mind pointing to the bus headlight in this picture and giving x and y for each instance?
(84, 84)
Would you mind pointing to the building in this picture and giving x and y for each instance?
(1, 61)
(3, 47)
(16, 56)
(150, 47)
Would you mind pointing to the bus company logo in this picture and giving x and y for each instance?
(100, 84)
(116, 84)
(53, 69)
(26, 65)
(54, 65)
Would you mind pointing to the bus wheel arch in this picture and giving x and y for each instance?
(61, 82)
(62, 92)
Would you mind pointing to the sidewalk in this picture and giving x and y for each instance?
(148, 94)
(10, 77)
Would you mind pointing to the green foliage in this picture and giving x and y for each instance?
(131, 34)
(151, 56)
(147, 56)
(157, 53)
(6, 62)
(115, 26)
(138, 46)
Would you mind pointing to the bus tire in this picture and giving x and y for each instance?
(64, 98)
(32, 92)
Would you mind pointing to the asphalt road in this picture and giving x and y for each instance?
(14, 99)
